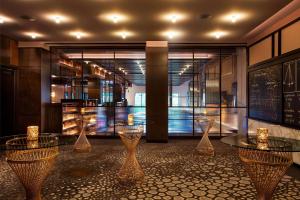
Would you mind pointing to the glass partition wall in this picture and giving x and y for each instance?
(112, 82)
(204, 82)
(201, 82)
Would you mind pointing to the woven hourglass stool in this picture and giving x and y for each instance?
(131, 170)
(204, 146)
(32, 161)
(265, 166)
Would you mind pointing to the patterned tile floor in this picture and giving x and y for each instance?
(173, 171)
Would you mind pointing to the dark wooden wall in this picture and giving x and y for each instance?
(8, 51)
(33, 88)
(8, 62)
(7, 100)
(157, 94)
(25, 87)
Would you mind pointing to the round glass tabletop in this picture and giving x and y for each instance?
(45, 140)
(273, 144)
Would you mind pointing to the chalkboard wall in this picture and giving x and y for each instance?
(274, 91)
(291, 93)
(265, 94)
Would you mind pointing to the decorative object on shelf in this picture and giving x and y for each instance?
(32, 133)
(130, 119)
(32, 165)
(204, 146)
(131, 171)
(262, 138)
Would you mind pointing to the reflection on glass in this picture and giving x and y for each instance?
(204, 81)
(114, 80)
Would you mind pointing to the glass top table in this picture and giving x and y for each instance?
(265, 163)
(32, 160)
(131, 171)
(276, 144)
(45, 140)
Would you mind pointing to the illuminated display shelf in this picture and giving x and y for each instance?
(72, 117)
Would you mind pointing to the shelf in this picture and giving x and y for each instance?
(68, 66)
(70, 112)
(67, 120)
(90, 113)
(77, 133)
(71, 127)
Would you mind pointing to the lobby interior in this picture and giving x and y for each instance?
(168, 99)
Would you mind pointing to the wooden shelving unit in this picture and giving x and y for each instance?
(74, 111)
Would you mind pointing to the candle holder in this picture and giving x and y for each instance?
(262, 135)
(130, 119)
(32, 133)
(32, 144)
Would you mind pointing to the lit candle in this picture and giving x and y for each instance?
(33, 144)
(262, 138)
(130, 119)
(32, 132)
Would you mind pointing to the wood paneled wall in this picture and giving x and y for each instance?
(33, 88)
(277, 43)
(8, 51)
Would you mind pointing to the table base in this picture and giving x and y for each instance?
(265, 169)
(32, 168)
(205, 147)
(82, 145)
(131, 170)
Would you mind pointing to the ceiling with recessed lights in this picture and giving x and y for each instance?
(189, 21)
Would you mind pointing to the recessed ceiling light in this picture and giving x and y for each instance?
(124, 35)
(171, 34)
(173, 17)
(115, 17)
(2, 20)
(33, 35)
(234, 17)
(78, 34)
(218, 34)
(57, 19)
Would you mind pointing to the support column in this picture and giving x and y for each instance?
(157, 91)
(242, 89)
